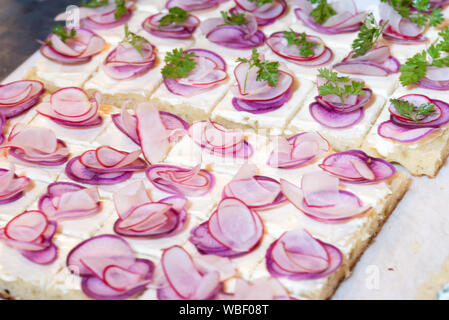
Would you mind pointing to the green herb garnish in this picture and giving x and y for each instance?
(63, 32)
(411, 111)
(420, 16)
(267, 70)
(322, 12)
(369, 33)
(332, 85)
(174, 15)
(260, 3)
(121, 9)
(415, 68)
(95, 3)
(305, 47)
(133, 39)
(179, 64)
(233, 18)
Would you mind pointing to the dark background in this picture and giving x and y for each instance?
(21, 23)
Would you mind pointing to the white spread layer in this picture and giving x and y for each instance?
(203, 102)
(275, 121)
(351, 137)
(31, 193)
(188, 153)
(15, 267)
(386, 146)
(142, 85)
(152, 6)
(63, 75)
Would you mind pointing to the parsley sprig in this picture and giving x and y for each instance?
(120, 9)
(179, 64)
(95, 3)
(63, 32)
(415, 68)
(420, 14)
(304, 46)
(411, 111)
(233, 18)
(260, 3)
(174, 15)
(369, 33)
(332, 86)
(133, 39)
(322, 12)
(120, 6)
(267, 70)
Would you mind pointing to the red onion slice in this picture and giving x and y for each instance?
(31, 233)
(355, 166)
(217, 140)
(104, 18)
(235, 226)
(172, 30)
(297, 255)
(376, 62)
(182, 278)
(127, 124)
(194, 182)
(154, 219)
(437, 119)
(389, 130)
(126, 62)
(12, 187)
(347, 19)
(257, 192)
(18, 96)
(256, 107)
(72, 107)
(279, 45)
(79, 49)
(193, 5)
(249, 89)
(297, 150)
(244, 36)
(153, 135)
(65, 200)
(330, 118)
(435, 79)
(334, 206)
(209, 72)
(104, 165)
(265, 14)
(108, 268)
(36, 145)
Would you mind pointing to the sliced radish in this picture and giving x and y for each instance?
(193, 182)
(355, 166)
(324, 202)
(236, 226)
(297, 255)
(297, 150)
